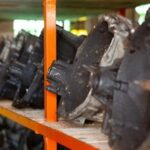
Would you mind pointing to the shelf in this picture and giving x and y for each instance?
(70, 135)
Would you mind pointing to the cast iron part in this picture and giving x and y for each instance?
(130, 109)
(125, 93)
(76, 88)
(33, 80)
(25, 73)
(21, 45)
(72, 81)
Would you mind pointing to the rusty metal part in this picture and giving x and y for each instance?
(124, 93)
(31, 76)
(73, 81)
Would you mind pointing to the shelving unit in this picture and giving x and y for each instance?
(44, 121)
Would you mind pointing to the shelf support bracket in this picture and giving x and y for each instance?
(50, 101)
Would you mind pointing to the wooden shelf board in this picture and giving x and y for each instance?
(65, 133)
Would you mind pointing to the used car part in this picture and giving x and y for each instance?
(103, 47)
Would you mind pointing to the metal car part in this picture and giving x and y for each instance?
(124, 93)
(72, 82)
(17, 48)
(33, 82)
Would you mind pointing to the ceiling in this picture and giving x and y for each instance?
(32, 9)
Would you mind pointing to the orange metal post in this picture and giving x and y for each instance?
(50, 144)
(49, 56)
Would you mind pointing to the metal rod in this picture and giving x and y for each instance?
(49, 55)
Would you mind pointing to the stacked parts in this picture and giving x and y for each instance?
(22, 78)
(22, 69)
(110, 75)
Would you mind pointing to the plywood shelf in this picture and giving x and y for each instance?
(70, 135)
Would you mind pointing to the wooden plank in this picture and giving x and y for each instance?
(65, 133)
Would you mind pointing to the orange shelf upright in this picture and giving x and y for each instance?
(49, 55)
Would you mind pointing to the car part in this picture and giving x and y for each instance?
(12, 51)
(72, 81)
(67, 45)
(124, 93)
(130, 110)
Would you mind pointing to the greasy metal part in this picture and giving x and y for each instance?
(90, 108)
(89, 53)
(67, 45)
(17, 48)
(104, 47)
(130, 108)
(34, 94)
(57, 75)
(13, 49)
(30, 75)
(123, 91)
(20, 66)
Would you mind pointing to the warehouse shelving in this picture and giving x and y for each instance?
(44, 121)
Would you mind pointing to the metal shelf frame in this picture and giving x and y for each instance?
(49, 55)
